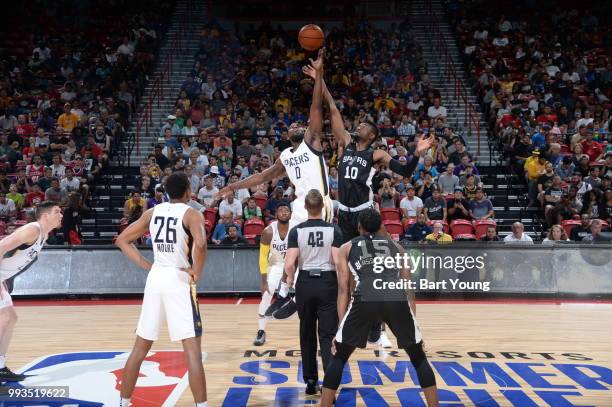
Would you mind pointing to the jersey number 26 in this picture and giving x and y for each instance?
(169, 226)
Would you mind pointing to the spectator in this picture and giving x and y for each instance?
(252, 210)
(418, 231)
(194, 179)
(434, 207)
(426, 166)
(545, 181)
(34, 198)
(605, 208)
(595, 235)
(220, 232)
(460, 151)
(437, 111)
(55, 193)
(581, 186)
(8, 211)
(552, 195)
(592, 148)
(458, 207)
(462, 168)
(134, 206)
(233, 237)
(555, 234)
(518, 234)
(593, 178)
(565, 169)
(72, 220)
(387, 194)
(70, 183)
(534, 168)
(438, 234)
(208, 192)
(68, 120)
(426, 187)
(481, 208)
(214, 173)
(447, 181)
(491, 235)
(275, 198)
(16, 197)
(57, 168)
(245, 149)
(241, 194)
(230, 204)
(158, 198)
(590, 203)
(411, 206)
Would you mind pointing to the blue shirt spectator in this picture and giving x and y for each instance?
(418, 231)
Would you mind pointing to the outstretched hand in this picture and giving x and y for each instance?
(424, 144)
(318, 63)
(309, 70)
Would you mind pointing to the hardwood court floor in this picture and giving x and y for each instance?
(458, 336)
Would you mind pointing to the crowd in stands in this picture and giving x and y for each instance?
(543, 74)
(69, 80)
(234, 109)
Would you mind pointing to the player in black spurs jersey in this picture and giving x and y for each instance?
(355, 172)
(375, 298)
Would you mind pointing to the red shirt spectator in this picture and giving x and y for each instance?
(36, 169)
(35, 197)
(591, 148)
(23, 128)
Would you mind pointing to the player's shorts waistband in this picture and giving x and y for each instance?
(361, 207)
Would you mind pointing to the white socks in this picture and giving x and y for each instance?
(284, 289)
(2, 361)
(125, 402)
(262, 323)
(202, 404)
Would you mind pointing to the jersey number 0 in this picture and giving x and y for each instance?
(170, 227)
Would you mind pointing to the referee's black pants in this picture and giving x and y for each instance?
(316, 299)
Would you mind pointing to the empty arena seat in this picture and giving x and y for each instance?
(253, 227)
(261, 202)
(210, 215)
(461, 227)
(480, 227)
(252, 239)
(394, 227)
(390, 214)
(208, 227)
(568, 225)
(464, 237)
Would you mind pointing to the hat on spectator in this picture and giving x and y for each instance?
(409, 186)
(458, 188)
(171, 117)
(214, 170)
(535, 152)
(546, 127)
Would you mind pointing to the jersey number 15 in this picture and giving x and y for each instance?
(169, 224)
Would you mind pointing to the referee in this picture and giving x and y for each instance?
(313, 245)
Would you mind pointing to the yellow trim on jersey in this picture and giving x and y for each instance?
(264, 253)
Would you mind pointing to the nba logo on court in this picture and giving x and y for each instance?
(94, 378)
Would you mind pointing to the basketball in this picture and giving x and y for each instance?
(311, 37)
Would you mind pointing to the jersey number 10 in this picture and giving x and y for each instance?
(351, 173)
(170, 231)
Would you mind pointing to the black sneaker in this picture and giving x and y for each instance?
(6, 375)
(286, 310)
(375, 331)
(312, 388)
(261, 338)
(280, 301)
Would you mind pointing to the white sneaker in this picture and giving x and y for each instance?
(384, 340)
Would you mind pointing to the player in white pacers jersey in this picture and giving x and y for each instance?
(17, 252)
(272, 250)
(179, 252)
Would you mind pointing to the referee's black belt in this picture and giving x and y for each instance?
(315, 272)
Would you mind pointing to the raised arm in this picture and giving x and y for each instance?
(315, 126)
(405, 170)
(199, 249)
(275, 171)
(337, 123)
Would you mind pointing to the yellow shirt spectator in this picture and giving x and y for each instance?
(534, 167)
(68, 121)
(439, 238)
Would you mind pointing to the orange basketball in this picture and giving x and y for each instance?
(311, 37)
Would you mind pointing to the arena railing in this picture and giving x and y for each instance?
(176, 47)
(461, 93)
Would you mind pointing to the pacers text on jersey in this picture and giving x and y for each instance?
(293, 161)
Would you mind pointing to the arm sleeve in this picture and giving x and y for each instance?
(338, 238)
(292, 242)
(264, 251)
(404, 170)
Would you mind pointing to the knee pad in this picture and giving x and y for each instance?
(421, 365)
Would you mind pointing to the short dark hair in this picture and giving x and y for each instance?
(44, 207)
(177, 184)
(374, 128)
(370, 220)
(281, 203)
(160, 189)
